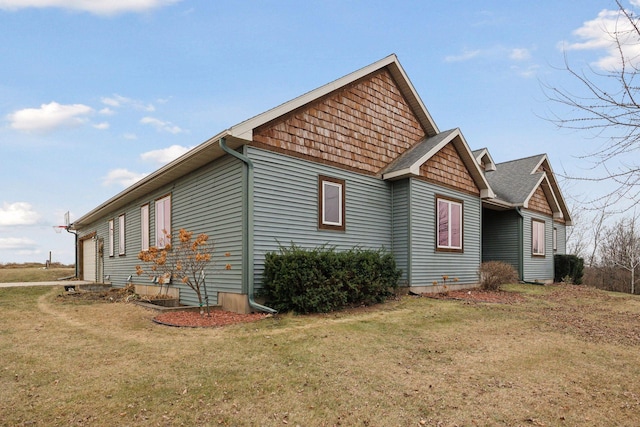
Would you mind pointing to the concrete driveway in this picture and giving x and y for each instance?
(55, 283)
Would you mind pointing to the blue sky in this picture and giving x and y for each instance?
(95, 94)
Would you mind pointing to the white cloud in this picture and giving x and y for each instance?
(122, 177)
(599, 34)
(119, 101)
(49, 116)
(527, 72)
(464, 56)
(18, 213)
(101, 126)
(161, 125)
(520, 54)
(21, 245)
(98, 7)
(165, 155)
(107, 111)
(130, 136)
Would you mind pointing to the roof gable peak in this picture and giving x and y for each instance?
(244, 130)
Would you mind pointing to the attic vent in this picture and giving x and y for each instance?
(486, 163)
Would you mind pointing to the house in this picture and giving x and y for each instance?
(525, 223)
(356, 162)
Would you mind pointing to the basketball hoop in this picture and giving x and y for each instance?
(58, 228)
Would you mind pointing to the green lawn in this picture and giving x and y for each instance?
(566, 356)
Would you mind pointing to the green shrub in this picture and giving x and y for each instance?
(568, 268)
(322, 279)
(496, 273)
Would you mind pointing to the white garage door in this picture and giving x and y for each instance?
(89, 260)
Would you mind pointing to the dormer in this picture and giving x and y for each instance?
(484, 160)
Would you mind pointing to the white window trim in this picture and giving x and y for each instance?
(144, 227)
(121, 235)
(111, 238)
(449, 203)
(325, 221)
(340, 185)
(161, 221)
(538, 233)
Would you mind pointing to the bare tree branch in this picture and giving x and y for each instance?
(608, 107)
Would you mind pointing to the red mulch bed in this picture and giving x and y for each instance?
(479, 295)
(193, 319)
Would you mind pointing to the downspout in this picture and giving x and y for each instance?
(247, 227)
(521, 249)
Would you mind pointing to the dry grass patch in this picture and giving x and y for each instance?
(34, 274)
(415, 361)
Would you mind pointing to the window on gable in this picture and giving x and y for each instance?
(144, 224)
(537, 237)
(111, 239)
(163, 221)
(331, 212)
(121, 235)
(449, 224)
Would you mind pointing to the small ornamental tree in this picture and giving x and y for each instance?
(185, 261)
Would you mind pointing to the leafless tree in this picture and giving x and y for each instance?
(621, 247)
(608, 105)
(590, 219)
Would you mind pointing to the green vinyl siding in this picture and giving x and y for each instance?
(429, 265)
(562, 238)
(537, 268)
(208, 200)
(286, 207)
(401, 236)
(501, 237)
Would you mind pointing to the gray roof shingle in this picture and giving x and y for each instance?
(514, 181)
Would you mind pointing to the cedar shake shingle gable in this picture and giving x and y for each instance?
(410, 163)
(363, 127)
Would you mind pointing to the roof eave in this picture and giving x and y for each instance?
(190, 161)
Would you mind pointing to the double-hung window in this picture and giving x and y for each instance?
(449, 224)
(331, 213)
(144, 224)
(537, 237)
(121, 235)
(111, 239)
(163, 221)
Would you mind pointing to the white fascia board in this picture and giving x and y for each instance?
(535, 187)
(485, 152)
(549, 193)
(398, 174)
(419, 108)
(499, 203)
(487, 193)
(189, 161)
(551, 176)
(244, 130)
(542, 160)
(414, 169)
(474, 166)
